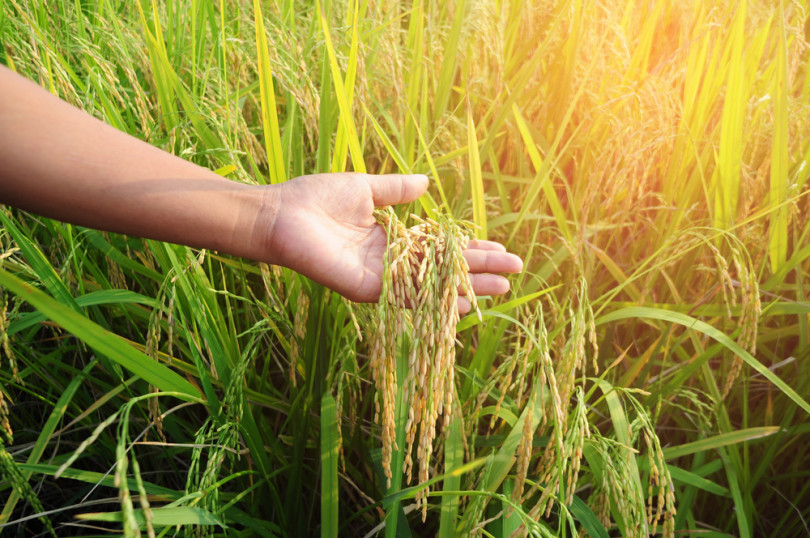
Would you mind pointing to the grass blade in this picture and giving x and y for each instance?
(426, 200)
(721, 440)
(590, 523)
(329, 467)
(98, 338)
(542, 179)
(449, 62)
(44, 437)
(777, 230)
(346, 117)
(727, 176)
(453, 458)
(161, 517)
(697, 481)
(272, 133)
(708, 330)
(476, 181)
(342, 137)
(94, 298)
(742, 515)
(43, 269)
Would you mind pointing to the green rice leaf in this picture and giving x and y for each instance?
(542, 180)
(449, 61)
(272, 132)
(98, 338)
(343, 134)
(476, 181)
(727, 181)
(453, 458)
(92, 477)
(708, 330)
(695, 480)
(721, 440)
(44, 437)
(737, 495)
(777, 230)
(161, 517)
(346, 116)
(473, 320)
(590, 523)
(426, 200)
(40, 264)
(94, 298)
(330, 491)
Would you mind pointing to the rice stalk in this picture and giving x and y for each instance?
(615, 493)
(661, 498)
(5, 342)
(152, 346)
(424, 271)
(5, 425)
(16, 478)
(299, 332)
(143, 498)
(221, 437)
(559, 465)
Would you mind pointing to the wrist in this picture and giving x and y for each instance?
(255, 232)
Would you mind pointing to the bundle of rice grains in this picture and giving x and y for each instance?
(416, 317)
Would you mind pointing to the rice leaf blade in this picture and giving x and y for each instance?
(44, 437)
(590, 523)
(161, 517)
(727, 182)
(453, 458)
(720, 440)
(345, 111)
(99, 339)
(708, 330)
(449, 66)
(40, 264)
(777, 230)
(697, 481)
(329, 467)
(270, 124)
(476, 180)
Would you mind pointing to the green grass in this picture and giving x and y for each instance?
(649, 162)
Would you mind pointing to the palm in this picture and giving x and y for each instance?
(332, 236)
(325, 229)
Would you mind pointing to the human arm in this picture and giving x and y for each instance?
(62, 163)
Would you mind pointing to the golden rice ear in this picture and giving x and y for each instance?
(423, 269)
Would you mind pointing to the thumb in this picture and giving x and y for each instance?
(392, 189)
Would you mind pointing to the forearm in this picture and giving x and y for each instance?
(59, 162)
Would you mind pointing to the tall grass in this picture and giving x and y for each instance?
(647, 374)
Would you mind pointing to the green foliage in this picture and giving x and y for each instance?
(648, 161)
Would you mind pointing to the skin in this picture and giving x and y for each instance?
(62, 163)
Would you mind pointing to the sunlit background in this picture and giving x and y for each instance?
(648, 372)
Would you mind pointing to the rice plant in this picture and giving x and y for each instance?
(647, 373)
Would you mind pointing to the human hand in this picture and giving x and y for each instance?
(324, 228)
(319, 225)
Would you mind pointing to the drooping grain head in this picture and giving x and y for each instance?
(418, 312)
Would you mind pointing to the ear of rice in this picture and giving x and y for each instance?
(424, 270)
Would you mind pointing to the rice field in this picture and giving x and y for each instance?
(647, 374)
